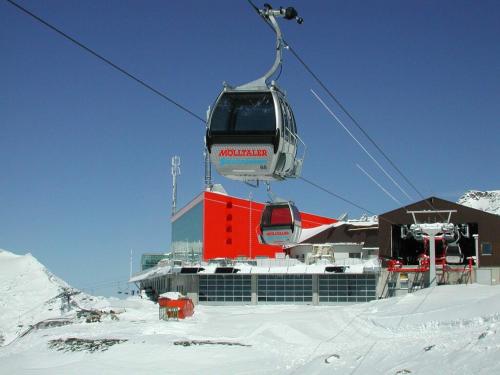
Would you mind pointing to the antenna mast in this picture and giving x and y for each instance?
(176, 171)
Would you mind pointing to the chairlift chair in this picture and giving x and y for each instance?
(454, 253)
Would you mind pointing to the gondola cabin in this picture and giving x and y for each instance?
(252, 135)
(280, 224)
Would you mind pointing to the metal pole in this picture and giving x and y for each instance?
(176, 170)
(250, 227)
(432, 256)
(129, 286)
(208, 170)
(476, 245)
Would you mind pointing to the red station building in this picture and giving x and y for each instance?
(216, 225)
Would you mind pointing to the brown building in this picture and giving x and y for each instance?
(483, 228)
(354, 239)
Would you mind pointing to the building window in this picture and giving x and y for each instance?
(187, 235)
(285, 288)
(347, 288)
(225, 288)
(486, 248)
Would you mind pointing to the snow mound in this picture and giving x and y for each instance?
(29, 293)
(488, 201)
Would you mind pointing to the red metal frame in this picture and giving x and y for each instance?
(394, 265)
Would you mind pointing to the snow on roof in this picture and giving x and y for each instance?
(308, 233)
(287, 266)
(172, 295)
(150, 273)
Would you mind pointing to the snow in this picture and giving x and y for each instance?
(488, 201)
(20, 302)
(308, 233)
(172, 295)
(445, 330)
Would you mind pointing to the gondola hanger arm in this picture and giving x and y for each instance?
(269, 14)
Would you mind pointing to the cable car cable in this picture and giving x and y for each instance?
(343, 199)
(361, 145)
(335, 195)
(164, 96)
(106, 60)
(344, 109)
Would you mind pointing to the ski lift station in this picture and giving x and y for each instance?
(231, 250)
(216, 256)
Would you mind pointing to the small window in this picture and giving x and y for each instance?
(486, 248)
(244, 113)
(296, 214)
(291, 119)
(281, 216)
(285, 120)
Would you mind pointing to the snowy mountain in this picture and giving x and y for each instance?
(30, 295)
(488, 201)
(28, 291)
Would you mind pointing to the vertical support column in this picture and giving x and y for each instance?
(254, 289)
(432, 256)
(194, 289)
(315, 289)
(476, 246)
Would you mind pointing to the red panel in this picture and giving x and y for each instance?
(222, 212)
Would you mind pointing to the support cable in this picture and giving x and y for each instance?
(361, 146)
(157, 92)
(106, 60)
(344, 109)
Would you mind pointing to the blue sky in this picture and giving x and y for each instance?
(85, 152)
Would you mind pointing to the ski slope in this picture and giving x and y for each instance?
(444, 330)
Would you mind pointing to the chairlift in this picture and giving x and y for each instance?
(450, 232)
(251, 130)
(417, 232)
(280, 224)
(454, 253)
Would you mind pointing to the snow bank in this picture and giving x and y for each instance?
(442, 330)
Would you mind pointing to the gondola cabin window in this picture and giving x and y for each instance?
(281, 216)
(244, 113)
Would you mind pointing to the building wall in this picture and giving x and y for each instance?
(187, 232)
(269, 288)
(488, 226)
(231, 224)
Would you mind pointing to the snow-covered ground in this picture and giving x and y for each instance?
(444, 330)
